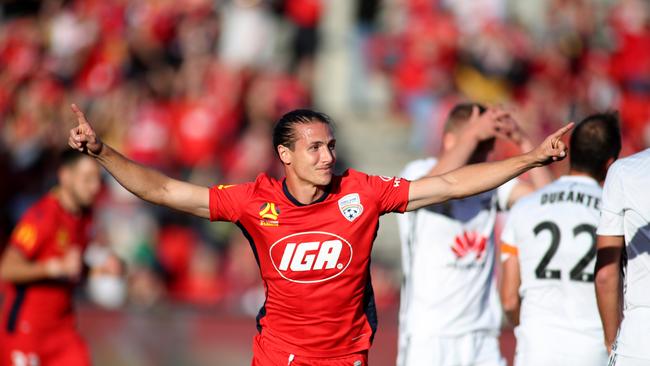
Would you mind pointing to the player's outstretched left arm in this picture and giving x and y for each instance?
(477, 178)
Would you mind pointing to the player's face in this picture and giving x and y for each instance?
(313, 156)
(84, 181)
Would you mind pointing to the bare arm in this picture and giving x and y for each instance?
(608, 285)
(16, 268)
(148, 184)
(509, 290)
(539, 176)
(477, 178)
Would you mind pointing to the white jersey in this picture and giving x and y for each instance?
(448, 264)
(553, 232)
(626, 211)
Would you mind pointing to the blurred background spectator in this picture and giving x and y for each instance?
(193, 87)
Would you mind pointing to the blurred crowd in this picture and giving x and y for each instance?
(193, 87)
(190, 87)
(552, 61)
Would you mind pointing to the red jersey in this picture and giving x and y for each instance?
(45, 231)
(314, 259)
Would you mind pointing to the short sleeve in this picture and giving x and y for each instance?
(612, 207)
(503, 193)
(508, 239)
(226, 201)
(29, 235)
(392, 192)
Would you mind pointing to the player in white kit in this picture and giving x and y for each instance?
(449, 311)
(624, 233)
(548, 252)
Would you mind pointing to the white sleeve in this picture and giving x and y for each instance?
(418, 168)
(503, 193)
(613, 202)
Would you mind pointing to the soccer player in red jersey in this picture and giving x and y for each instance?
(311, 232)
(41, 266)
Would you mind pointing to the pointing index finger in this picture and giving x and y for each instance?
(80, 116)
(561, 132)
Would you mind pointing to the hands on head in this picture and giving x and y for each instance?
(487, 125)
(497, 122)
(83, 137)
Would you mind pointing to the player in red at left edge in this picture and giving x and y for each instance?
(41, 266)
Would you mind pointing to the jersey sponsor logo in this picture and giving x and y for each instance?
(396, 181)
(269, 213)
(469, 242)
(350, 206)
(26, 236)
(311, 257)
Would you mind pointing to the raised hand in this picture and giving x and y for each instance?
(487, 125)
(510, 129)
(83, 137)
(552, 148)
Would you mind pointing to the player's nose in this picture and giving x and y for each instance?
(327, 155)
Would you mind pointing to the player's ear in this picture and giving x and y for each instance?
(285, 154)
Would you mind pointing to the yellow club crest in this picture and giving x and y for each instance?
(269, 214)
(269, 211)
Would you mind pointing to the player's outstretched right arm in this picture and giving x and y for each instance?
(476, 178)
(146, 183)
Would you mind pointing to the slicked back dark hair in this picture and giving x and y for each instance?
(595, 140)
(70, 157)
(284, 132)
(460, 114)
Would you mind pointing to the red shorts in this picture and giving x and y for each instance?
(60, 348)
(264, 355)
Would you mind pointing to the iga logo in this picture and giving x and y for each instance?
(310, 257)
(468, 242)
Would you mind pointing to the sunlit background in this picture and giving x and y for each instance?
(193, 87)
